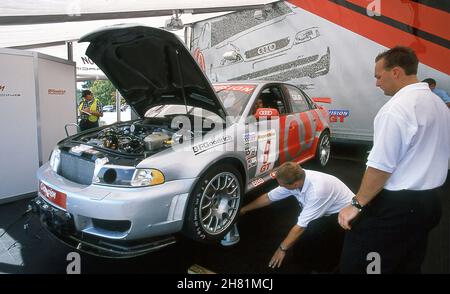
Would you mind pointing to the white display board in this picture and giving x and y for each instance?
(37, 99)
(19, 157)
(57, 101)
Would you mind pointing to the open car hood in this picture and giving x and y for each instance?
(151, 67)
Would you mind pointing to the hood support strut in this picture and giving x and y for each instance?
(181, 79)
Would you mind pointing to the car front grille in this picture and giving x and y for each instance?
(76, 169)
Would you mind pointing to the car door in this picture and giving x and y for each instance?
(262, 145)
(301, 125)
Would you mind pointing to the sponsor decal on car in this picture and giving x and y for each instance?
(240, 88)
(263, 136)
(204, 146)
(337, 115)
(251, 162)
(257, 182)
(266, 112)
(251, 152)
(52, 195)
(250, 137)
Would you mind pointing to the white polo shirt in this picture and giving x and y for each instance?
(321, 195)
(412, 139)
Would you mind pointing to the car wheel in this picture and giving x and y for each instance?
(323, 149)
(214, 204)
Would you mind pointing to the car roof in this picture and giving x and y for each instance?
(251, 82)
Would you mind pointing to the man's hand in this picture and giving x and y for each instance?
(277, 258)
(346, 215)
(86, 110)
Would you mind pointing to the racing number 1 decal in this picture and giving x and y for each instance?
(266, 164)
(267, 150)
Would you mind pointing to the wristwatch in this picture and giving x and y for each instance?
(282, 248)
(356, 204)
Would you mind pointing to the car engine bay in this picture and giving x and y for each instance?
(142, 137)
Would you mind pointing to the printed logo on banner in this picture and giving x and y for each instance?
(4, 93)
(56, 91)
(337, 115)
(85, 66)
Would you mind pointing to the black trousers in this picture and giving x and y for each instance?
(319, 247)
(86, 124)
(395, 225)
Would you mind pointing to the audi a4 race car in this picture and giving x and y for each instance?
(185, 165)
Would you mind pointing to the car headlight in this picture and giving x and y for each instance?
(147, 177)
(306, 35)
(55, 158)
(110, 175)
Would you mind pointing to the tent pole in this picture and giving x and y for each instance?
(69, 50)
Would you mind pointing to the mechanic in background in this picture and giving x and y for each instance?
(90, 110)
(316, 238)
(397, 203)
(441, 93)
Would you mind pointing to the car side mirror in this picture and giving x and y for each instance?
(266, 113)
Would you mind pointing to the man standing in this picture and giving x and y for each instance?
(441, 93)
(90, 110)
(319, 236)
(397, 204)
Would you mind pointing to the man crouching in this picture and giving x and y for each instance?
(316, 238)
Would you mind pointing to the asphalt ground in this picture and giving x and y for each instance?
(28, 249)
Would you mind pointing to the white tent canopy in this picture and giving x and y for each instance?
(39, 23)
(47, 26)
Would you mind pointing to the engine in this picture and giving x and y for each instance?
(136, 138)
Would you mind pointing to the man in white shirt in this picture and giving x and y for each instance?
(321, 197)
(397, 204)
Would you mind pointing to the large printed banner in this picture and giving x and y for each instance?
(86, 68)
(325, 47)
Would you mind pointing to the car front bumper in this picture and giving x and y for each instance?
(113, 221)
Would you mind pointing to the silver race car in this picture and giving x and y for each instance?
(185, 165)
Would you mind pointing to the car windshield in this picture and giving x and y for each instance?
(234, 97)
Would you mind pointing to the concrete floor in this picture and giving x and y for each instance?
(27, 248)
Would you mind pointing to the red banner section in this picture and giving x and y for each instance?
(373, 28)
(431, 20)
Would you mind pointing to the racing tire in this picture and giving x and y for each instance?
(214, 204)
(323, 151)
